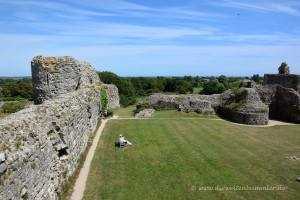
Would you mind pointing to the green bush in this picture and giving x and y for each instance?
(236, 91)
(110, 112)
(104, 99)
(263, 110)
(141, 106)
(13, 107)
(235, 105)
(18, 98)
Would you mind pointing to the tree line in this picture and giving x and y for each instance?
(132, 87)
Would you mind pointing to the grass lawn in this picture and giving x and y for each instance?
(174, 158)
(173, 114)
(125, 112)
(128, 112)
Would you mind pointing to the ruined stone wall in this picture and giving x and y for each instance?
(244, 107)
(40, 146)
(203, 104)
(283, 103)
(285, 80)
(286, 105)
(112, 96)
(53, 76)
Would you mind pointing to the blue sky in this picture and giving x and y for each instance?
(153, 37)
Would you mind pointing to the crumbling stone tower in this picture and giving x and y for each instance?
(53, 76)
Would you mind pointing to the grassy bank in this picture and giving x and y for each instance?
(186, 159)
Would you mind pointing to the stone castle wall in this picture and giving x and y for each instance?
(244, 107)
(285, 80)
(40, 146)
(283, 103)
(186, 103)
(53, 76)
(112, 96)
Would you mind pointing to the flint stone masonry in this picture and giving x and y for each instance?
(284, 103)
(186, 103)
(112, 95)
(43, 143)
(285, 80)
(147, 113)
(247, 83)
(53, 76)
(248, 109)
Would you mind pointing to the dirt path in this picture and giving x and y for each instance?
(82, 178)
(270, 123)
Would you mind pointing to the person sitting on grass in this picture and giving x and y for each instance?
(123, 140)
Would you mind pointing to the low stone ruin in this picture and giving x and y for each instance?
(186, 103)
(278, 98)
(244, 106)
(146, 113)
(283, 103)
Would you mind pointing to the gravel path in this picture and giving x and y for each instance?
(82, 178)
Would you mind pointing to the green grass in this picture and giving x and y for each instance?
(125, 112)
(2, 115)
(171, 156)
(128, 112)
(197, 90)
(177, 114)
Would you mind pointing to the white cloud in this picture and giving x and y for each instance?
(262, 6)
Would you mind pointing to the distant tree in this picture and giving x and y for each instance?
(126, 89)
(224, 80)
(256, 78)
(284, 68)
(183, 86)
(213, 87)
(16, 88)
(109, 78)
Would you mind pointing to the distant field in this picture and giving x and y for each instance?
(172, 158)
(197, 90)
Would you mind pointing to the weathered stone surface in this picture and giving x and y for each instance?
(43, 143)
(2, 157)
(245, 107)
(266, 93)
(3, 168)
(247, 83)
(285, 80)
(186, 103)
(53, 76)
(147, 113)
(164, 102)
(112, 95)
(284, 103)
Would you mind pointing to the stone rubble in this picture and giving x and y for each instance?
(146, 113)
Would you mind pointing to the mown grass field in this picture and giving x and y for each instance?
(174, 158)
